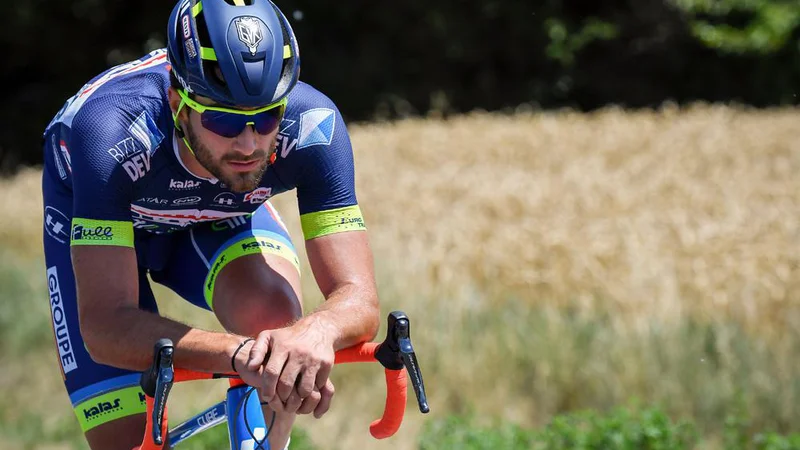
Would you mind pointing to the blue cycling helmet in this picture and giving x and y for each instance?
(235, 52)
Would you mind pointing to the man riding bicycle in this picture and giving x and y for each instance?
(163, 167)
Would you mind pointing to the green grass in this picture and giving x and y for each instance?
(24, 313)
(734, 390)
(623, 428)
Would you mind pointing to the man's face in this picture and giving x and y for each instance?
(239, 162)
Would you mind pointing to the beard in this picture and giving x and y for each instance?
(236, 181)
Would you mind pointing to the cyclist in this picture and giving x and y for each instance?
(163, 167)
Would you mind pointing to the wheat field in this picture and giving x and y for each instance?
(549, 261)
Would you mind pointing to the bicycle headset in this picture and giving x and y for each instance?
(235, 52)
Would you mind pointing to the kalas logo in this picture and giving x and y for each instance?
(259, 244)
(187, 184)
(100, 408)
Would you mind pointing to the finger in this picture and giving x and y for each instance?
(326, 395)
(272, 371)
(258, 352)
(275, 404)
(288, 378)
(308, 380)
(323, 373)
(293, 402)
(310, 403)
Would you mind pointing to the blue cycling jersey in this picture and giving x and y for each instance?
(112, 176)
(114, 146)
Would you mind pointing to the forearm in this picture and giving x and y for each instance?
(126, 337)
(350, 315)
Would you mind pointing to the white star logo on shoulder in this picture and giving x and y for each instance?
(316, 127)
(250, 32)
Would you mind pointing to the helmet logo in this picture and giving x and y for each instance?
(250, 32)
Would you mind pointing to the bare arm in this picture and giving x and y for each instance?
(343, 267)
(117, 333)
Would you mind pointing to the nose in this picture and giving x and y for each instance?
(247, 141)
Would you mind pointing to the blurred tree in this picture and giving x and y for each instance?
(413, 57)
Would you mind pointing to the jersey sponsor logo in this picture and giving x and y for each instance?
(145, 130)
(230, 223)
(140, 224)
(285, 143)
(61, 172)
(215, 271)
(176, 185)
(63, 341)
(187, 200)
(129, 153)
(101, 408)
(260, 195)
(156, 200)
(65, 153)
(56, 224)
(250, 32)
(316, 127)
(248, 246)
(98, 233)
(134, 152)
(178, 217)
(225, 200)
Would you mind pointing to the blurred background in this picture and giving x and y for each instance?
(588, 209)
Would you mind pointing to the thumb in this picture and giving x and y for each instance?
(259, 351)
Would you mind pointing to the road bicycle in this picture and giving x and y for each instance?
(247, 428)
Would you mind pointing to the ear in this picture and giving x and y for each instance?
(174, 99)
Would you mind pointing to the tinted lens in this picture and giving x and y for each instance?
(225, 124)
(231, 125)
(267, 121)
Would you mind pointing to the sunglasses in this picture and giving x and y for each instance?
(230, 123)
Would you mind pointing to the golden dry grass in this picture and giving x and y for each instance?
(650, 217)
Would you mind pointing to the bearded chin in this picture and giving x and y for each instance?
(236, 182)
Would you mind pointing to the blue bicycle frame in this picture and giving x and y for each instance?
(241, 432)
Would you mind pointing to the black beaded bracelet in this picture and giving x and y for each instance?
(236, 352)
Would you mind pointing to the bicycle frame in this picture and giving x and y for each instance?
(395, 354)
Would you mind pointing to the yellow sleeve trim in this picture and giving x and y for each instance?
(332, 221)
(101, 232)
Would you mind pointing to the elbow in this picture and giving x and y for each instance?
(374, 324)
(97, 347)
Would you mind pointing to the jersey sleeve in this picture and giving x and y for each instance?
(104, 164)
(326, 183)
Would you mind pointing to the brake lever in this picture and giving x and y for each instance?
(396, 352)
(156, 382)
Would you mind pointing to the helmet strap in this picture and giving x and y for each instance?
(179, 129)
